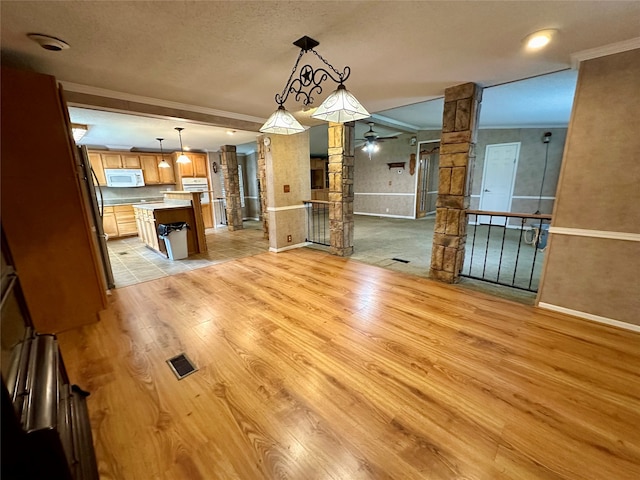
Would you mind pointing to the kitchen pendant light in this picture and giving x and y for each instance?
(182, 158)
(163, 163)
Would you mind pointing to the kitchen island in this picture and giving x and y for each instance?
(149, 215)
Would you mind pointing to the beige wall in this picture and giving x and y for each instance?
(379, 190)
(374, 195)
(530, 165)
(599, 191)
(287, 163)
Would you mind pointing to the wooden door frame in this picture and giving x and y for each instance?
(416, 196)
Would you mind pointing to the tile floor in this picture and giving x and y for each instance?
(132, 262)
(377, 240)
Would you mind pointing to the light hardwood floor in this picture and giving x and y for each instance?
(318, 367)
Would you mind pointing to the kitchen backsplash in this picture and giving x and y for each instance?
(150, 193)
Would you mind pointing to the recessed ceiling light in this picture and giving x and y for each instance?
(537, 40)
(230, 132)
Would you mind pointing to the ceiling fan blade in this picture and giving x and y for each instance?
(382, 139)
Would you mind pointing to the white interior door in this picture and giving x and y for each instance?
(500, 164)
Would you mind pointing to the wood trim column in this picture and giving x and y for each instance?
(457, 153)
(229, 164)
(341, 161)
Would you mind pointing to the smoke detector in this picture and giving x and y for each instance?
(48, 43)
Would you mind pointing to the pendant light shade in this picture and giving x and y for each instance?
(182, 158)
(282, 122)
(340, 107)
(163, 163)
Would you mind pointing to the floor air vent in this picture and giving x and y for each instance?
(181, 366)
(399, 260)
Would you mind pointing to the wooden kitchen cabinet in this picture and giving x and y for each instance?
(125, 220)
(109, 223)
(154, 175)
(96, 165)
(117, 160)
(150, 169)
(199, 165)
(206, 215)
(196, 168)
(167, 175)
(52, 242)
(130, 161)
(111, 160)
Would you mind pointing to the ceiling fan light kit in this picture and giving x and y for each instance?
(371, 139)
(339, 107)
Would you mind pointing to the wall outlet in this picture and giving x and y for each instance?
(387, 210)
(289, 239)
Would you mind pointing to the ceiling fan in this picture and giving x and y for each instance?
(371, 140)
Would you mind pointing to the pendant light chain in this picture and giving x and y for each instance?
(342, 76)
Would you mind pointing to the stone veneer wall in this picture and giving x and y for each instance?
(232, 187)
(457, 152)
(341, 161)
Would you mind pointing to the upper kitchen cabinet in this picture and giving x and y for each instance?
(53, 247)
(117, 160)
(167, 175)
(130, 161)
(196, 168)
(150, 169)
(96, 165)
(153, 174)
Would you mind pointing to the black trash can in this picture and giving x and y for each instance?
(175, 239)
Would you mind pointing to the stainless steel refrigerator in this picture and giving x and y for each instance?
(95, 207)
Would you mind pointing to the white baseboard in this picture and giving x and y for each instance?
(384, 215)
(289, 247)
(590, 316)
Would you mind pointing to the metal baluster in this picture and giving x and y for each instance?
(473, 242)
(486, 252)
(535, 253)
(515, 269)
(504, 233)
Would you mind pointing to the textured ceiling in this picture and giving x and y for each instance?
(234, 56)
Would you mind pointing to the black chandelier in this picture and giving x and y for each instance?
(339, 107)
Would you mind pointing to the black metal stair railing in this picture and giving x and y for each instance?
(506, 248)
(318, 222)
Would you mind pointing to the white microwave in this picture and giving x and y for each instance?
(124, 177)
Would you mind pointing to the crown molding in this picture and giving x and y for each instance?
(103, 92)
(392, 123)
(612, 48)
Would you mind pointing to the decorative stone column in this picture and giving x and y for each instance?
(341, 161)
(457, 153)
(262, 179)
(229, 164)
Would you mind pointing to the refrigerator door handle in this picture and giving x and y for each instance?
(101, 206)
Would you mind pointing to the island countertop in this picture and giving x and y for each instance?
(159, 206)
